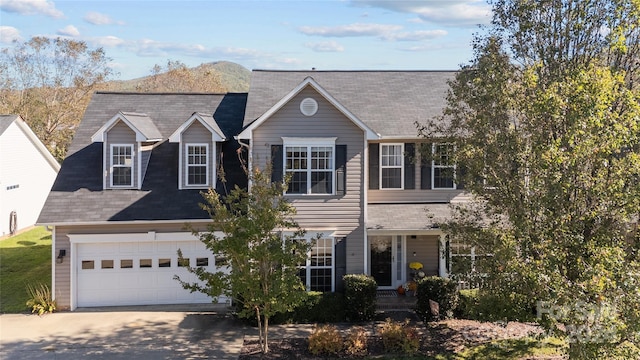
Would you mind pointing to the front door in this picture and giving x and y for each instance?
(381, 255)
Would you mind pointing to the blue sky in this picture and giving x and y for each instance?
(327, 34)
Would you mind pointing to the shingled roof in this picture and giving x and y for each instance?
(77, 195)
(389, 102)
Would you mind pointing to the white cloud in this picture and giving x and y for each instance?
(446, 12)
(69, 30)
(9, 34)
(31, 7)
(107, 41)
(97, 18)
(417, 35)
(325, 46)
(358, 29)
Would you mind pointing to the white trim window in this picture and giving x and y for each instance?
(392, 166)
(122, 165)
(310, 162)
(197, 165)
(444, 169)
(317, 273)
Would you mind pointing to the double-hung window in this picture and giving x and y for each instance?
(317, 272)
(121, 165)
(310, 163)
(391, 166)
(197, 164)
(443, 166)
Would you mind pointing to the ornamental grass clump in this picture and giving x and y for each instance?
(40, 300)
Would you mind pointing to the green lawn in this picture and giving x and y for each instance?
(24, 259)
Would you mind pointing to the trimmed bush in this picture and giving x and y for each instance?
(316, 307)
(360, 297)
(320, 308)
(325, 340)
(441, 290)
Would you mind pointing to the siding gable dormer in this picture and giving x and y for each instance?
(198, 139)
(127, 139)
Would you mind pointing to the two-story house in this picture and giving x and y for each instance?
(347, 139)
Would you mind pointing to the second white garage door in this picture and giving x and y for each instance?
(139, 273)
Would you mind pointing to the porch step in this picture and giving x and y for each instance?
(389, 300)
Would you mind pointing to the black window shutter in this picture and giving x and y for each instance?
(409, 166)
(425, 172)
(341, 169)
(341, 262)
(276, 163)
(461, 172)
(374, 166)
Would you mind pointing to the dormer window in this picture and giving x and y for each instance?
(198, 139)
(197, 164)
(127, 141)
(121, 165)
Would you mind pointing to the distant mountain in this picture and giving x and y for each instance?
(233, 77)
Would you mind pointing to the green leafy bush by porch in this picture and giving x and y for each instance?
(360, 297)
(485, 305)
(441, 290)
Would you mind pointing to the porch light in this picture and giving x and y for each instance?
(61, 254)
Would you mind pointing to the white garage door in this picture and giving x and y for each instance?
(138, 273)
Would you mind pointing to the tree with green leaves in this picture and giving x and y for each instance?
(263, 247)
(546, 119)
(49, 82)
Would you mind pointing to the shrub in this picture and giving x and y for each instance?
(399, 337)
(316, 307)
(468, 305)
(40, 300)
(320, 308)
(356, 342)
(441, 290)
(360, 297)
(325, 340)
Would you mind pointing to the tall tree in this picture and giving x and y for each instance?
(547, 117)
(177, 77)
(49, 83)
(262, 246)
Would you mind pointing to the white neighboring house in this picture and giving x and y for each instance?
(27, 172)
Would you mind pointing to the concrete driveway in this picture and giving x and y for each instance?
(159, 332)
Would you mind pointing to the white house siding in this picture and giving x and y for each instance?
(120, 133)
(197, 133)
(25, 178)
(344, 214)
(62, 278)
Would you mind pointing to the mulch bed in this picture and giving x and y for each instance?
(448, 336)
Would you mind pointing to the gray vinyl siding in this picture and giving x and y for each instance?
(120, 133)
(342, 213)
(426, 249)
(415, 195)
(63, 271)
(197, 134)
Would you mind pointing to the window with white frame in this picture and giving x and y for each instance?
(391, 166)
(121, 165)
(443, 166)
(317, 272)
(197, 164)
(466, 264)
(311, 166)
